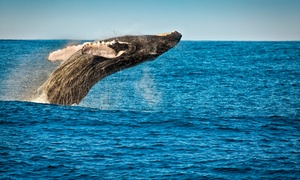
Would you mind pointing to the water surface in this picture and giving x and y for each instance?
(227, 110)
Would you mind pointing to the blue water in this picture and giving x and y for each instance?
(203, 110)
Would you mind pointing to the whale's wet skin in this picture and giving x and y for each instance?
(88, 63)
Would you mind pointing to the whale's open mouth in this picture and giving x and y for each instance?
(86, 64)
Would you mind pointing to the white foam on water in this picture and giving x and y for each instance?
(42, 98)
(28, 74)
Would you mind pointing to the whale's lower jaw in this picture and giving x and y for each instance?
(74, 78)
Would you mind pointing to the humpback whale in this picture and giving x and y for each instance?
(86, 64)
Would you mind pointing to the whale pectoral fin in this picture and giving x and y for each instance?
(65, 53)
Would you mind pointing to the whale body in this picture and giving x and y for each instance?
(86, 64)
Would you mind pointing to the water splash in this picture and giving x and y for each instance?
(132, 89)
(28, 70)
(146, 88)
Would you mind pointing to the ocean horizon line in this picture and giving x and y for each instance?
(196, 40)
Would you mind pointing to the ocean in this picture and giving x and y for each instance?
(203, 110)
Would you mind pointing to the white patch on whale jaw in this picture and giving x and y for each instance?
(102, 49)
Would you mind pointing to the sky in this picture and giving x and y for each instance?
(271, 20)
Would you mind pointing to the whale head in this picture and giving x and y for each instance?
(93, 61)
